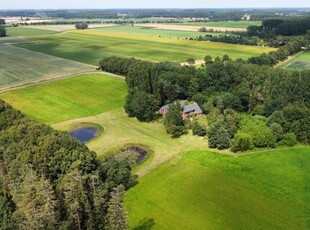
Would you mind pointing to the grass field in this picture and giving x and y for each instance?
(80, 96)
(300, 61)
(203, 190)
(154, 32)
(226, 24)
(25, 31)
(90, 46)
(20, 67)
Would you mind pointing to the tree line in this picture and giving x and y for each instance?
(49, 180)
(285, 27)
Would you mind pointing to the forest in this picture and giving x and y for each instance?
(52, 181)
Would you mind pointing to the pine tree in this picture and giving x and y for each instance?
(36, 203)
(116, 216)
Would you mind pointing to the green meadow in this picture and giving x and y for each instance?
(70, 98)
(205, 190)
(90, 46)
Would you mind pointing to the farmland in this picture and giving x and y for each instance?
(93, 45)
(154, 32)
(20, 67)
(200, 188)
(26, 31)
(69, 98)
(227, 24)
(300, 61)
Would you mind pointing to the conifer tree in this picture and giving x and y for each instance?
(116, 216)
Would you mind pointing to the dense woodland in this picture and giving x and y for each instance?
(279, 99)
(49, 180)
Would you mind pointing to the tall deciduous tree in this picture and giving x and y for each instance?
(173, 121)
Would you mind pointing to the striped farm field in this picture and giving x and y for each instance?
(75, 97)
(90, 46)
(19, 67)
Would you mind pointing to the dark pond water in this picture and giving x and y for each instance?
(84, 135)
(133, 153)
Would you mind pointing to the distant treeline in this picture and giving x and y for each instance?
(273, 27)
(211, 14)
(49, 180)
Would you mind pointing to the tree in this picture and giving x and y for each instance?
(2, 31)
(173, 121)
(208, 60)
(191, 61)
(116, 216)
(222, 139)
(81, 26)
(141, 105)
(2, 21)
(36, 203)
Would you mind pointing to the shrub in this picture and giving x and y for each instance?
(259, 110)
(242, 142)
(198, 129)
(289, 139)
(277, 130)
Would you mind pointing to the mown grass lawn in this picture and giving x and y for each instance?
(74, 97)
(91, 46)
(204, 190)
(300, 61)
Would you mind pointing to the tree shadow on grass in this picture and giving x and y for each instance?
(145, 224)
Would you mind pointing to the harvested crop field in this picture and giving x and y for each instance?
(190, 27)
(60, 28)
(19, 67)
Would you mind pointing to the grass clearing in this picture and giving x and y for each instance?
(300, 61)
(120, 130)
(90, 46)
(200, 188)
(19, 67)
(70, 98)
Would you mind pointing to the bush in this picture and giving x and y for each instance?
(242, 142)
(259, 110)
(258, 130)
(289, 140)
(277, 130)
(198, 129)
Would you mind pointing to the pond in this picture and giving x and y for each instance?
(85, 134)
(134, 154)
